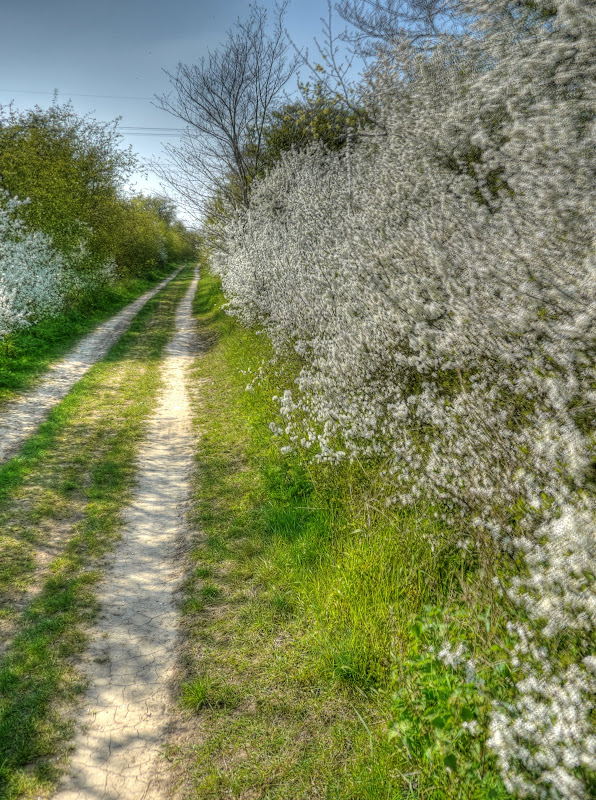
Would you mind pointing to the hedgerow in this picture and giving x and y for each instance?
(438, 281)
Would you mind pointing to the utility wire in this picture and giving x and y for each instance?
(149, 128)
(77, 94)
(129, 130)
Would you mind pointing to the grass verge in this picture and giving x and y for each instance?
(307, 608)
(60, 505)
(26, 354)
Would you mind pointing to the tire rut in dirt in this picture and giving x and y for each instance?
(132, 656)
(22, 417)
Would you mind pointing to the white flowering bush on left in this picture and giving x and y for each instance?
(33, 274)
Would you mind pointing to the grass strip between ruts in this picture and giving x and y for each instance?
(75, 475)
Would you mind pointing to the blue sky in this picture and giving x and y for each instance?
(116, 50)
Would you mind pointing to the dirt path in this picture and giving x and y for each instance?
(132, 656)
(22, 417)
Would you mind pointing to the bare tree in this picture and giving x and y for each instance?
(225, 101)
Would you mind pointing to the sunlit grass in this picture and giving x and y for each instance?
(318, 586)
(26, 354)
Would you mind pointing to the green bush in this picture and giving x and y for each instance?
(73, 171)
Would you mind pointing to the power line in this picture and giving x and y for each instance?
(140, 133)
(78, 94)
(149, 130)
(153, 128)
(141, 130)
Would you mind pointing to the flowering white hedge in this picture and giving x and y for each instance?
(440, 284)
(31, 272)
(35, 279)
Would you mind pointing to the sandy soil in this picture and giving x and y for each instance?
(132, 656)
(21, 418)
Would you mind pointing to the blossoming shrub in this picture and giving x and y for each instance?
(32, 272)
(439, 283)
(36, 280)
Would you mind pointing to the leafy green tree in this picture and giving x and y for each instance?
(72, 169)
(148, 235)
(316, 116)
(138, 243)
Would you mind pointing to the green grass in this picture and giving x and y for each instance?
(207, 692)
(318, 586)
(26, 354)
(62, 497)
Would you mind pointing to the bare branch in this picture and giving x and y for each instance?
(334, 73)
(225, 101)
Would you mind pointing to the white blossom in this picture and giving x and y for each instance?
(35, 279)
(31, 272)
(441, 294)
(449, 657)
